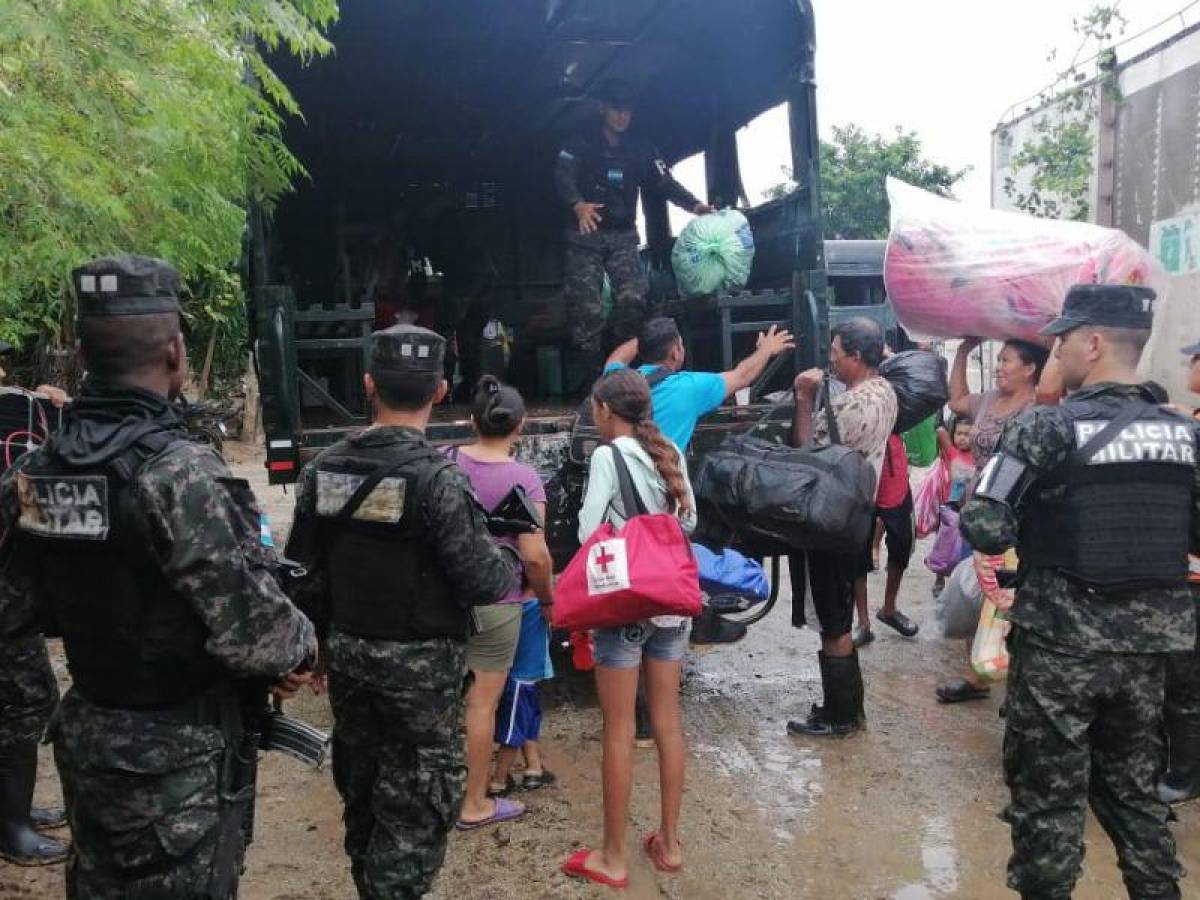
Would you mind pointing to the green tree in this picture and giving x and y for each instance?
(1060, 156)
(143, 126)
(854, 168)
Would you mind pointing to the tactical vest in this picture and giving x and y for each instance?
(609, 176)
(132, 641)
(1122, 517)
(384, 580)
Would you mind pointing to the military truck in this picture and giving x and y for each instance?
(429, 138)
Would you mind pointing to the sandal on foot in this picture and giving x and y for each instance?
(576, 866)
(863, 636)
(535, 780)
(47, 818)
(506, 811)
(900, 622)
(960, 690)
(653, 848)
(496, 789)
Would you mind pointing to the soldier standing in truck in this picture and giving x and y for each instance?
(598, 175)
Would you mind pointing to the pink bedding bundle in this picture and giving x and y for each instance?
(953, 271)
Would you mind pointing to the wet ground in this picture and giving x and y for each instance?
(905, 810)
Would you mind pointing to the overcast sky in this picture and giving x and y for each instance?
(947, 69)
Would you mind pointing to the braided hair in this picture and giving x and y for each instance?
(627, 395)
(499, 408)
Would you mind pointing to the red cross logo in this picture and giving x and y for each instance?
(604, 558)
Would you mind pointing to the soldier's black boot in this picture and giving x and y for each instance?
(841, 714)
(19, 842)
(1182, 779)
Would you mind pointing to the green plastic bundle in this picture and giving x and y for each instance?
(713, 253)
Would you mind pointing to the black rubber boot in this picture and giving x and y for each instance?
(1182, 779)
(841, 714)
(19, 843)
(711, 628)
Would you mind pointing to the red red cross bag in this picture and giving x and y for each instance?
(623, 576)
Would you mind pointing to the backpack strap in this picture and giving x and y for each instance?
(1104, 436)
(631, 500)
(126, 465)
(658, 376)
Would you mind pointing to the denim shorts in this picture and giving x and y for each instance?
(622, 647)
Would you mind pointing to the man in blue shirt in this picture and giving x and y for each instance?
(682, 398)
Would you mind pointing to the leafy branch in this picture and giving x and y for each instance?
(855, 166)
(1060, 153)
(131, 126)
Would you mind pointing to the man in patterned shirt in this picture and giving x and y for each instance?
(866, 414)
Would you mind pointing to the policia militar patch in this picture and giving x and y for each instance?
(61, 506)
(1141, 442)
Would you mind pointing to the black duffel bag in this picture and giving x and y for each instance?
(768, 499)
(919, 379)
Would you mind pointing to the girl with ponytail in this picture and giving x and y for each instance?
(497, 417)
(621, 404)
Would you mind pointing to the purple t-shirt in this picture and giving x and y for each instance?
(492, 482)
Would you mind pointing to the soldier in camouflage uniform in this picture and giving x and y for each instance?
(28, 694)
(144, 553)
(398, 553)
(1181, 711)
(1101, 496)
(598, 175)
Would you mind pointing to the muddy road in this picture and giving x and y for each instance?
(905, 810)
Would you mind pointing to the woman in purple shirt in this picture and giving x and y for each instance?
(497, 417)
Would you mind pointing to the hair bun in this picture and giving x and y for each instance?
(498, 415)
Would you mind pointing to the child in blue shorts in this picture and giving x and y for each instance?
(519, 716)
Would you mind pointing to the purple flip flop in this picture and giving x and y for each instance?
(506, 811)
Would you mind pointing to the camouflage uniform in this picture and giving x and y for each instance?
(149, 791)
(590, 169)
(1085, 691)
(1181, 717)
(589, 256)
(28, 690)
(398, 758)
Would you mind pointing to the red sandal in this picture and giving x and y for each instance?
(576, 866)
(651, 846)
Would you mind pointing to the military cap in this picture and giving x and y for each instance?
(404, 349)
(1107, 306)
(1191, 349)
(126, 286)
(616, 92)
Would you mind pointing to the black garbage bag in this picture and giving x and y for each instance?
(919, 379)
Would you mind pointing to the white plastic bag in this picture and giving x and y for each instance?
(960, 602)
(955, 271)
(713, 253)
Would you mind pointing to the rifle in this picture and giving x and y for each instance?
(266, 727)
(515, 514)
